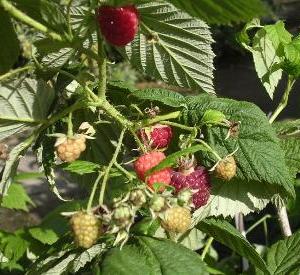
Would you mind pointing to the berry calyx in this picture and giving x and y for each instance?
(69, 149)
(196, 179)
(226, 168)
(177, 219)
(156, 136)
(118, 24)
(148, 161)
(86, 229)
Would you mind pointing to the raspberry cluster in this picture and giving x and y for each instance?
(71, 148)
(198, 180)
(86, 229)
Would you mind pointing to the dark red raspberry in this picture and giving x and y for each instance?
(195, 180)
(157, 136)
(118, 24)
(148, 161)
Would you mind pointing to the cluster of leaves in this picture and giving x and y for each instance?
(173, 45)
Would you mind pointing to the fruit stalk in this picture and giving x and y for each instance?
(92, 195)
(281, 210)
(206, 248)
(107, 170)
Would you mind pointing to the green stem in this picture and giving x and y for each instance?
(111, 163)
(124, 171)
(284, 100)
(181, 126)
(92, 195)
(29, 21)
(210, 149)
(69, 18)
(70, 125)
(26, 120)
(257, 223)
(206, 248)
(150, 121)
(102, 67)
(16, 71)
(112, 112)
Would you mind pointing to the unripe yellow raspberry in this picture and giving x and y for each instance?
(86, 229)
(226, 168)
(177, 219)
(71, 148)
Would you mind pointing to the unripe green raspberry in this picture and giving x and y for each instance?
(158, 203)
(185, 197)
(86, 229)
(137, 197)
(122, 215)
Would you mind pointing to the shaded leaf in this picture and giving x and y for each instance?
(228, 235)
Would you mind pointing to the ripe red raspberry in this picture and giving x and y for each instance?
(86, 229)
(157, 136)
(177, 219)
(70, 148)
(118, 24)
(196, 179)
(148, 161)
(226, 168)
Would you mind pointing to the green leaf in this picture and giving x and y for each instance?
(46, 159)
(12, 163)
(173, 47)
(278, 35)
(152, 256)
(9, 46)
(266, 61)
(289, 135)
(228, 199)
(52, 13)
(259, 156)
(171, 159)
(24, 102)
(87, 256)
(291, 147)
(292, 57)
(14, 246)
(223, 12)
(80, 167)
(228, 235)
(169, 98)
(54, 225)
(16, 198)
(283, 257)
(193, 239)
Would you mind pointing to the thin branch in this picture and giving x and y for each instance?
(111, 163)
(206, 248)
(284, 100)
(92, 195)
(16, 71)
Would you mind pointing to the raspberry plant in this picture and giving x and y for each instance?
(164, 172)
